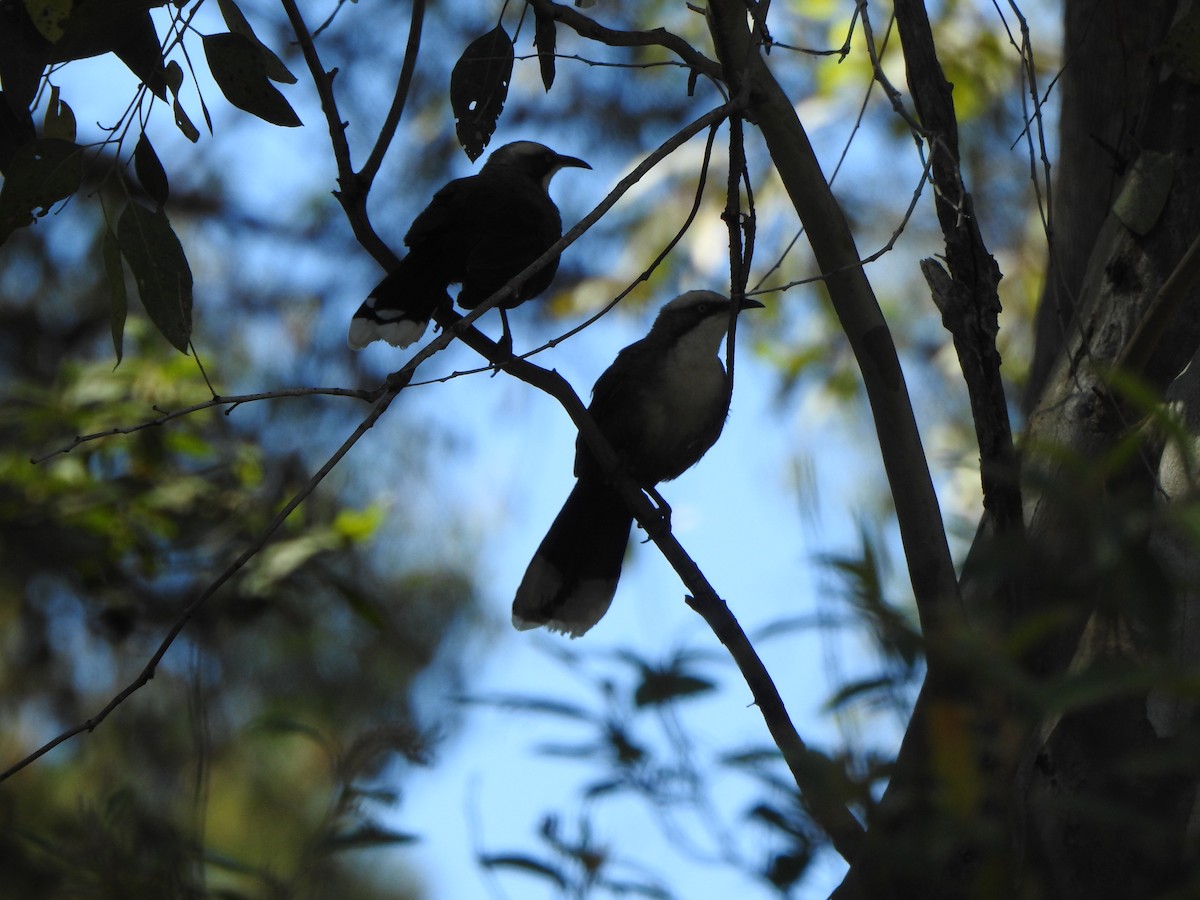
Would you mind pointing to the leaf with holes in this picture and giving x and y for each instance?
(479, 87)
(161, 270)
(237, 66)
(545, 36)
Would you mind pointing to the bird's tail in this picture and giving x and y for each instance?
(572, 578)
(400, 307)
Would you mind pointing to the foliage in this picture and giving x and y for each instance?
(286, 697)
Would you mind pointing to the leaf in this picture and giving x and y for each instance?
(119, 308)
(525, 864)
(49, 17)
(662, 687)
(173, 76)
(41, 173)
(237, 23)
(160, 269)
(184, 124)
(238, 68)
(150, 172)
(367, 836)
(60, 119)
(545, 35)
(534, 704)
(141, 51)
(479, 87)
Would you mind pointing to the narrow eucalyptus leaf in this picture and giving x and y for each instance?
(161, 270)
(238, 67)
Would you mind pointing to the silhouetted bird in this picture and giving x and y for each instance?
(661, 404)
(480, 231)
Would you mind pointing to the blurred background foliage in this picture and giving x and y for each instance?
(271, 748)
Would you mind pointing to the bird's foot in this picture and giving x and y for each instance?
(662, 523)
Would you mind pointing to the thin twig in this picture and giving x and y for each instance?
(231, 402)
(388, 131)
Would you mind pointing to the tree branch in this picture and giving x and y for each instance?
(655, 37)
(922, 532)
(967, 298)
(810, 769)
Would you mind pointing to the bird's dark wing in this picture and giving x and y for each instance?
(616, 398)
(448, 210)
(515, 227)
(497, 258)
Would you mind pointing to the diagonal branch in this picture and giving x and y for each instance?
(922, 532)
(810, 769)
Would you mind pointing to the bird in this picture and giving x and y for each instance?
(480, 232)
(661, 405)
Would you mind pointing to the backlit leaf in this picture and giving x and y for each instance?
(544, 37)
(119, 306)
(150, 172)
(237, 66)
(160, 269)
(479, 87)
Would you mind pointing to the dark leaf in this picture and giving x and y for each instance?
(533, 704)
(367, 836)
(786, 868)
(160, 269)
(16, 129)
(623, 747)
(779, 820)
(115, 273)
(237, 23)
(173, 75)
(604, 788)
(858, 689)
(184, 124)
(571, 751)
(60, 119)
(545, 35)
(141, 52)
(238, 68)
(525, 864)
(634, 888)
(150, 172)
(479, 87)
(41, 173)
(663, 687)
(49, 17)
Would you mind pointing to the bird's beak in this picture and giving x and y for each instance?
(572, 162)
(751, 303)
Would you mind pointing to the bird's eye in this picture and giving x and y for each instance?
(703, 308)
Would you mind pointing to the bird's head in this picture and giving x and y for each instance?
(688, 310)
(534, 160)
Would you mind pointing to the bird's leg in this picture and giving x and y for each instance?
(506, 341)
(663, 509)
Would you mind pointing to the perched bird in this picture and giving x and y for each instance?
(661, 404)
(479, 231)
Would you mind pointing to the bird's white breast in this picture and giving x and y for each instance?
(691, 386)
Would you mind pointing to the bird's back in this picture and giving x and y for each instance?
(483, 230)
